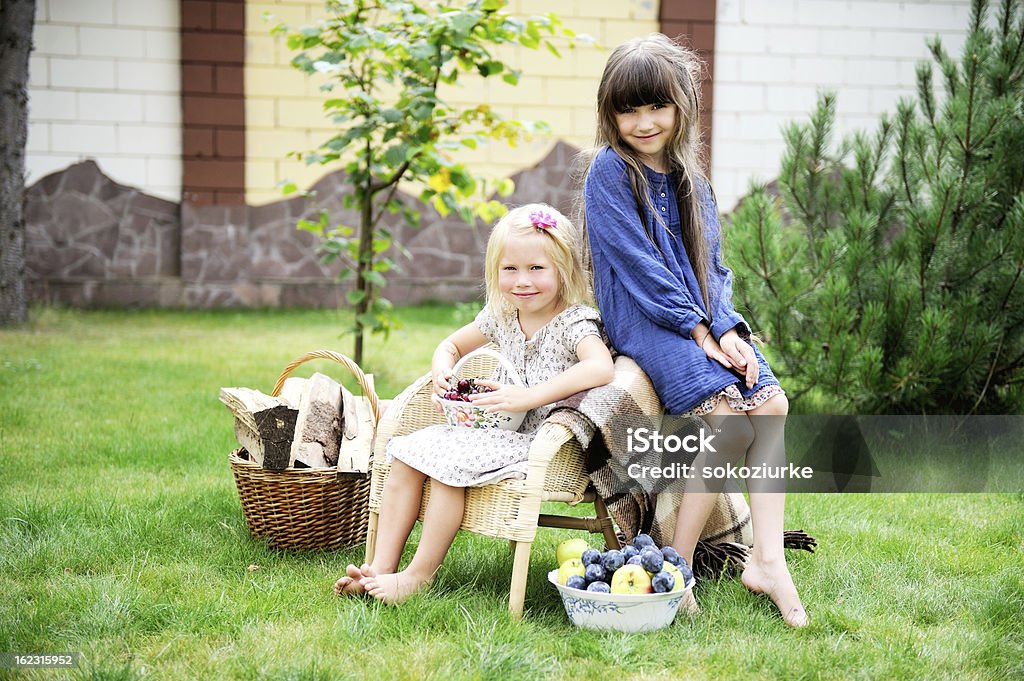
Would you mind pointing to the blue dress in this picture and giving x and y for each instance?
(650, 303)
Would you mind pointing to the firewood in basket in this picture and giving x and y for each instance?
(264, 425)
(276, 429)
(318, 425)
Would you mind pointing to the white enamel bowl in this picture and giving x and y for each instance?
(630, 613)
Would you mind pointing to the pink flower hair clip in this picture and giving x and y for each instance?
(542, 219)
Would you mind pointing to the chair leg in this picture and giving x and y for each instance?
(520, 569)
(607, 528)
(371, 536)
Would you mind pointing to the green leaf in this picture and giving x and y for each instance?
(395, 155)
(528, 42)
(375, 278)
(506, 187)
(368, 320)
(463, 23)
(439, 205)
(422, 112)
(490, 68)
(424, 51)
(355, 296)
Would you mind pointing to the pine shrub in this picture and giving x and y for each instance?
(887, 273)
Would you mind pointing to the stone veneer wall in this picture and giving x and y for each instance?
(91, 242)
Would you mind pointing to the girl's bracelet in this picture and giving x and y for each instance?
(704, 339)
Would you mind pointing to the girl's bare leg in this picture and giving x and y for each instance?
(766, 570)
(701, 495)
(399, 508)
(441, 522)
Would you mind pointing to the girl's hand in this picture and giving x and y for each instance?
(741, 355)
(442, 384)
(503, 397)
(442, 381)
(714, 351)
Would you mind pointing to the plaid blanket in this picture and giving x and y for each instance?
(601, 419)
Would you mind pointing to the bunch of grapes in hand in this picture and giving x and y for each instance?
(464, 388)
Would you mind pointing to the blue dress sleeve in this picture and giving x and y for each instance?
(724, 316)
(618, 241)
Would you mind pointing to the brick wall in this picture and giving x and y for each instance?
(771, 58)
(692, 23)
(213, 101)
(104, 84)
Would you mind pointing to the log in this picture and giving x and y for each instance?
(318, 425)
(264, 425)
(291, 391)
(358, 431)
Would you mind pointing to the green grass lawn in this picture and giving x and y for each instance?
(121, 536)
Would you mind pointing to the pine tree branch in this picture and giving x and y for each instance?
(926, 258)
(904, 141)
(1012, 366)
(822, 272)
(988, 379)
(763, 251)
(1013, 285)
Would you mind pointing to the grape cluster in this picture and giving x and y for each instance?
(464, 388)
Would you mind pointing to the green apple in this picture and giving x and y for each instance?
(570, 548)
(631, 579)
(573, 566)
(674, 571)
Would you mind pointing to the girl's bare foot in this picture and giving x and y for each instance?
(352, 583)
(394, 588)
(773, 579)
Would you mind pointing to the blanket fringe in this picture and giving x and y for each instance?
(719, 560)
(798, 539)
(727, 559)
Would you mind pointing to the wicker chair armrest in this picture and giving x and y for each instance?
(555, 468)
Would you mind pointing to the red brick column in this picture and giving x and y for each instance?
(213, 101)
(692, 23)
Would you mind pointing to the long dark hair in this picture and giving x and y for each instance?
(656, 70)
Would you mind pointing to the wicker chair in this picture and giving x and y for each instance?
(509, 509)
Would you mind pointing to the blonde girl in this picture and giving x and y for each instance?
(651, 223)
(536, 314)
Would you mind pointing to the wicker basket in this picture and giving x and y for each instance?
(306, 508)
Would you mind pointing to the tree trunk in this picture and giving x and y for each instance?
(366, 234)
(17, 18)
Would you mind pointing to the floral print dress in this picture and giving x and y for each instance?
(466, 457)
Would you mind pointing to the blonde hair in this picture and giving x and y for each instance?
(655, 70)
(563, 246)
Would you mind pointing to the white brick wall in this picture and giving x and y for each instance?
(104, 84)
(772, 57)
